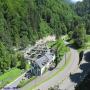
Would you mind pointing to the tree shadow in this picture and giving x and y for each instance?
(85, 84)
(85, 67)
(73, 46)
(68, 40)
(81, 56)
(76, 77)
(87, 56)
(79, 77)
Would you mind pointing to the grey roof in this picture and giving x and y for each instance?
(47, 58)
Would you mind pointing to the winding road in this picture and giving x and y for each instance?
(45, 81)
(63, 74)
(78, 74)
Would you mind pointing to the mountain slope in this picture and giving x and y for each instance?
(20, 21)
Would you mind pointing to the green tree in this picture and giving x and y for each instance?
(22, 62)
(79, 35)
(13, 61)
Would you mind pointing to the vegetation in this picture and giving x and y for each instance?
(53, 75)
(24, 82)
(78, 36)
(18, 29)
(87, 42)
(10, 65)
(9, 76)
(19, 26)
(50, 44)
(60, 49)
(82, 9)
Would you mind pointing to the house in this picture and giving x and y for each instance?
(39, 57)
(39, 66)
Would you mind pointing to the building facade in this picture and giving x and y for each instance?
(40, 65)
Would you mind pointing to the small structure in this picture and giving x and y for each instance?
(39, 66)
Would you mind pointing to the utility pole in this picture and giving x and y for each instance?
(65, 55)
(65, 58)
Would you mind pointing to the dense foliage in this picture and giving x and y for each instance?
(60, 49)
(22, 22)
(83, 10)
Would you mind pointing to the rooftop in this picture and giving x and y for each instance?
(47, 58)
(36, 52)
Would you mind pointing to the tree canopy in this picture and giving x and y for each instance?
(22, 22)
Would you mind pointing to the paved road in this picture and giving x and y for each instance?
(62, 75)
(45, 76)
(58, 78)
(77, 75)
(28, 49)
(55, 80)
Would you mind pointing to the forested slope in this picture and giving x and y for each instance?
(22, 22)
(83, 10)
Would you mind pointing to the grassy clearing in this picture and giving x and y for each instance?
(9, 76)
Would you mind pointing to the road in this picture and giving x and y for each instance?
(77, 75)
(28, 49)
(62, 78)
(57, 78)
(44, 77)
(74, 58)
(63, 74)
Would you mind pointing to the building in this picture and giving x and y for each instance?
(39, 57)
(41, 64)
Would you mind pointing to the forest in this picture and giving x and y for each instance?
(22, 22)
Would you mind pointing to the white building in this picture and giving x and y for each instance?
(39, 66)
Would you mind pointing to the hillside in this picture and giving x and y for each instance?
(22, 22)
(83, 10)
(25, 21)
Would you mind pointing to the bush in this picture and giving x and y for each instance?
(24, 82)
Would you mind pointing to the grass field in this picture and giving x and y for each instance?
(9, 76)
